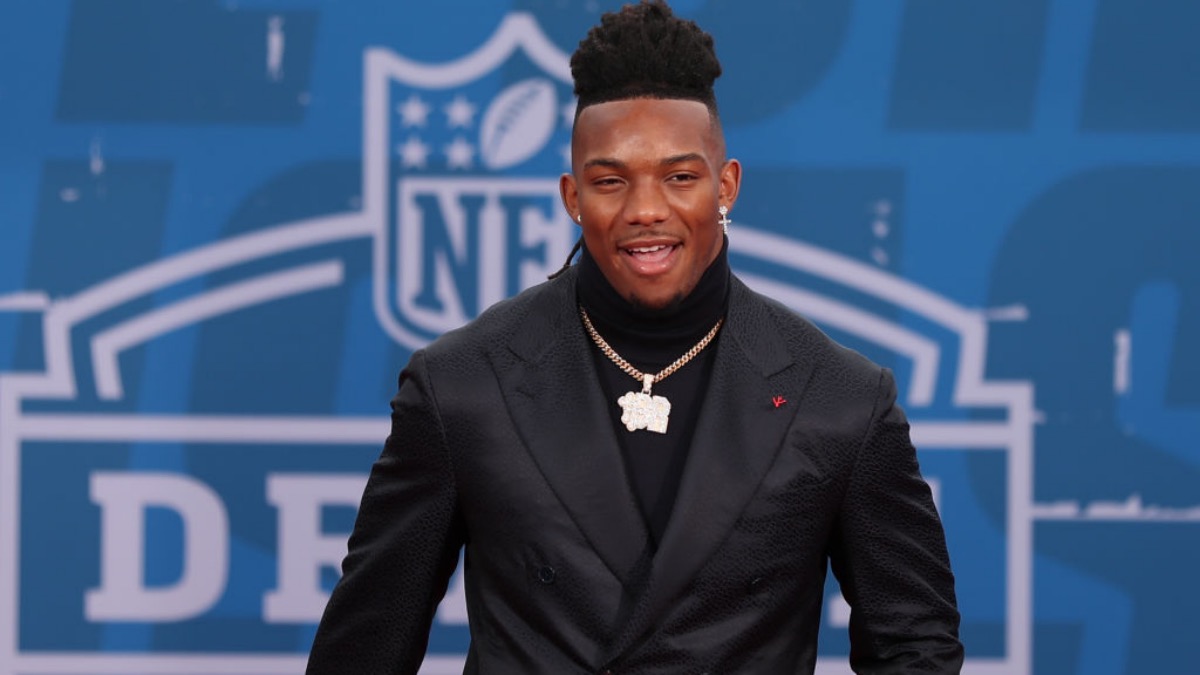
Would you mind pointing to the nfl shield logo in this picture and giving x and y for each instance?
(461, 167)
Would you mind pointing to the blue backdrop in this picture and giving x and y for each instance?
(225, 226)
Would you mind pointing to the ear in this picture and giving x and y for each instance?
(570, 196)
(730, 183)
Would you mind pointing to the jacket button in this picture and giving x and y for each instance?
(546, 574)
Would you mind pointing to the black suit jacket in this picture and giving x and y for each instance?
(502, 441)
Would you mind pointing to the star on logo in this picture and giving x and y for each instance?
(459, 154)
(413, 112)
(460, 112)
(413, 153)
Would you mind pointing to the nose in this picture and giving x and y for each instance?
(646, 204)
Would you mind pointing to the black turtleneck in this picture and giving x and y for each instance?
(651, 340)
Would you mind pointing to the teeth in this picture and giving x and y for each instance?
(647, 249)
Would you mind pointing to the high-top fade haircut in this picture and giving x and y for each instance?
(645, 51)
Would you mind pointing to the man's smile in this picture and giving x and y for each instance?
(651, 259)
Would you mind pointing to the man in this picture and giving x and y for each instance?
(648, 464)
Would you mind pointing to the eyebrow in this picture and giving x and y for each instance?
(618, 164)
(685, 157)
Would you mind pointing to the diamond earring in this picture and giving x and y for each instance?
(724, 221)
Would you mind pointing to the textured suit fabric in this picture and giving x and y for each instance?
(501, 443)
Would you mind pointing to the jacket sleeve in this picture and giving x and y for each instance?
(403, 549)
(889, 555)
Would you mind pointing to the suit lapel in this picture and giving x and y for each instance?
(740, 432)
(558, 407)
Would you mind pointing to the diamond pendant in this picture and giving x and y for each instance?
(641, 410)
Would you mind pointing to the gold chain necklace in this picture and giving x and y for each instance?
(641, 409)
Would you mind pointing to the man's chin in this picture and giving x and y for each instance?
(656, 306)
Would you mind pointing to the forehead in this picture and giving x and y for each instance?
(633, 128)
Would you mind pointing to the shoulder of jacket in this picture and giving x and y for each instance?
(497, 324)
(808, 343)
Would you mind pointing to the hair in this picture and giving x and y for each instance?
(645, 51)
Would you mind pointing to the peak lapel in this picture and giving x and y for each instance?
(558, 407)
(740, 432)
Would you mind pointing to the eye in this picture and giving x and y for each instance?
(683, 177)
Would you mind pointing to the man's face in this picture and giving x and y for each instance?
(648, 178)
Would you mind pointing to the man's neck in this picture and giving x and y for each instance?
(647, 330)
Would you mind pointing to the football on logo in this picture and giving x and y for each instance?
(518, 123)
